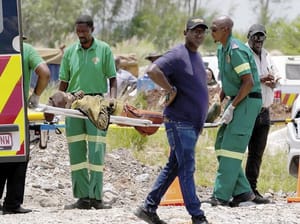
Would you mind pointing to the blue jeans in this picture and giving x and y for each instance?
(182, 138)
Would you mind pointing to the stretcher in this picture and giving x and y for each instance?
(113, 119)
(77, 114)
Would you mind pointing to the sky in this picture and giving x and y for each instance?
(244, 16)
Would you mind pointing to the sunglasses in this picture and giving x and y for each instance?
(258, 38)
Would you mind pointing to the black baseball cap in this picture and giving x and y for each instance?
(194, 22)
(256, 28)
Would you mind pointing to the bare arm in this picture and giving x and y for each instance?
(63, 86)
(158, 77)
(221, 95)
(247, 84)
(113, 87)
(43, 73)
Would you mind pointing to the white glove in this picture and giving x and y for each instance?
(228, 114)
(33, 101)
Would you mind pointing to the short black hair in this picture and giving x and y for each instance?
(85, 19)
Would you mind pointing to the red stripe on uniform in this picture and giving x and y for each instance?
(3, 62)
(13, 105)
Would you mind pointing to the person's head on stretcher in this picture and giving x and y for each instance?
(62, 100)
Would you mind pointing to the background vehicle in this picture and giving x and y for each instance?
(293, 139)
(289, 85)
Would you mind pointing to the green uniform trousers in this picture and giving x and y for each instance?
(87, 151)
(231, 143)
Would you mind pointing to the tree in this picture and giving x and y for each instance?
(107, 15)
(48, 23)
(163, 22)
(284, 36)
(147, 23)
(263, 8)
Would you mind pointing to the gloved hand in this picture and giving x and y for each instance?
(228, 114)
(33, 101)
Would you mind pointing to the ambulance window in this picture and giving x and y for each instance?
(293, 71)
(1, 17)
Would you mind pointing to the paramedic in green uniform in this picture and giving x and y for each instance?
(87, 65)
(240, 84)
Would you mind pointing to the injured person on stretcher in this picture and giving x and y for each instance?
(99, 109)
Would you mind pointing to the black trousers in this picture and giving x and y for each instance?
(256, 147)
(13, 174)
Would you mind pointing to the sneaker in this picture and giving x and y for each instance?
(99, 204)
(216, 201)
(81, 203)
(247, 196)
(259, 199)
(149, 217)
(199, 220)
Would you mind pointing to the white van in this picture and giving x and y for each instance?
(293, 139)
(289, 85)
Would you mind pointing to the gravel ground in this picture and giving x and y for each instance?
(127, 181)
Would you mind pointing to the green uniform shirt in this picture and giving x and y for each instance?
(236, 60)
(31, 60)
(87, 69)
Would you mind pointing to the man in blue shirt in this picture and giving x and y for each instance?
(181, 69)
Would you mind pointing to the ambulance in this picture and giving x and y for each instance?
(14, 145)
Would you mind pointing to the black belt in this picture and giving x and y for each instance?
(94, 94)
(250, 95)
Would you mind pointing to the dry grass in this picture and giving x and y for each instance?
(154, 151)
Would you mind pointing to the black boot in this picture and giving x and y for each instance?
(81, 203)
(247, 196)
(259, 199)
(19, 210)
(149, 217)
(99, 204)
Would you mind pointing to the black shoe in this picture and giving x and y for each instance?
(247, 196)
(82, 203)
(199, 220)
(216, 201)
(259, 199)
(19, 210)
(99, 204)
(149, 217)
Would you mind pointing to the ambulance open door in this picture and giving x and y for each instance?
(14, 146)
